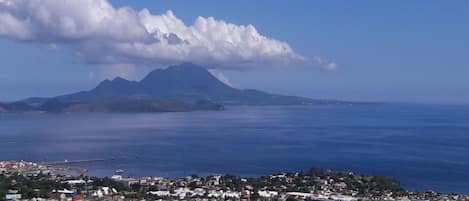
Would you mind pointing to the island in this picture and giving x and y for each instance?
(178, 88)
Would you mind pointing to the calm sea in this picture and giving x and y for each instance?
(424, 146)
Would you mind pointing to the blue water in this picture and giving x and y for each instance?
(424, 146)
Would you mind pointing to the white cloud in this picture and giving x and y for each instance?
(101, 33)
(221, 77)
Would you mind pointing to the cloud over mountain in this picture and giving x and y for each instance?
(103, 34)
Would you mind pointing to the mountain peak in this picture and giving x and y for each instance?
(119, 79)
(178, 74)
(183, 67)
(186, 65)
(115, 85)
(187, 68)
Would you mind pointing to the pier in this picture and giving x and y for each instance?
(64, 165)
(66, 162)
(60, 168)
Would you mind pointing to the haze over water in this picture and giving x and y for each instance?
(424, 146)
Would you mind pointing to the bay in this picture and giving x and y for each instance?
(425, 146)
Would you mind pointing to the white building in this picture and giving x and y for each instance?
(267, 194)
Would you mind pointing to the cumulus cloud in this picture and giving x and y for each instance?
(103, 34)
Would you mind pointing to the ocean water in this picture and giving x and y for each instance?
(424, 146)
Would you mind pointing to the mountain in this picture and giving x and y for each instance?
(187, 83)
(184, 87)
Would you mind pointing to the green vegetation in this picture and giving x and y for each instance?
(314, 180)
(115, 105)
(42, 185)
(28, 187)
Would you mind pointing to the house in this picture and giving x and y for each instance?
(267, 194)
(13, 197)
(75, 182)
(160, 193)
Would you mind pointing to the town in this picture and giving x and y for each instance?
(22, 180)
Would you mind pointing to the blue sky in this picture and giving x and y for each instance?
(410, 51)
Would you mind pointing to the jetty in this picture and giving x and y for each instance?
(66, 162)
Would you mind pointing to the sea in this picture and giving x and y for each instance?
(425, 146)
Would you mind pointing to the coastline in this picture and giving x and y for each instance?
(19, 177)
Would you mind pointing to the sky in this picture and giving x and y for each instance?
(402, 51)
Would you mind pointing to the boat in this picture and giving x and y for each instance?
(119, 172)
